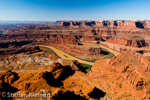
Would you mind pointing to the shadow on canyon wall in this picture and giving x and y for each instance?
(97, 93)
(139, 25)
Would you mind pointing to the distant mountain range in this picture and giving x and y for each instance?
(17, 22)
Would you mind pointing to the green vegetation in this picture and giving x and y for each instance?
(88, 67)
(110, 55)
(65, 56)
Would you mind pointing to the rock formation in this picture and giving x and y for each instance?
(125, 76)
(65, 42)
(25, 57)
(51, 81)
(128, 41)
(128, 33)
(17, 50)
(109, 23)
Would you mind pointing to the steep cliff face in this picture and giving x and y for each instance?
(65, 42)
(148, 40)
(128, 41)
(17, 50)
(88, 31)
(109, 23)
(121, 31)
(125, 76)
(124, 35)
(114, 47)
(147, 24)
(123, 40)
(50, 38)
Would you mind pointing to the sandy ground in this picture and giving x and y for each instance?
(61, 54)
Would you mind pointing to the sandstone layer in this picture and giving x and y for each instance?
(125, 76)
(51, 81)
(110, 23)
(70, 33)
(66, 43)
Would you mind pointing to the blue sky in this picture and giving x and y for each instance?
(53, 10)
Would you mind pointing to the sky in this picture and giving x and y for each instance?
(57, 10)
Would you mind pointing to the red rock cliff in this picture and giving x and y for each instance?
(124, 76)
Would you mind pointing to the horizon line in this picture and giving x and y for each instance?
(74, 20)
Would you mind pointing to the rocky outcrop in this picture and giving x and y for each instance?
(27, 60)
(109, 23)
(123, 40)
(50, 38)
(120, 48)
(16, 50)
(66, 43)
(120, 30)
(146, 24)
(9, 77)
(53, 82)
(114, 47)
(125, 76)
(77, 23)
(147, 39)
(75, 65)
(91, 38)
(128, 41)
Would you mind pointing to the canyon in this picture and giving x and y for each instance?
(87, 60)
(127, 33)
(125, 76)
